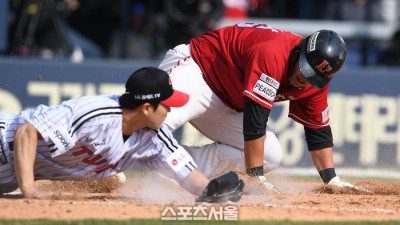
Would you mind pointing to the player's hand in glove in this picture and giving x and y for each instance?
(343, 184)
(259, 185)
(227, 187)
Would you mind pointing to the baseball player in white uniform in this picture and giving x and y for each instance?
(95, 137)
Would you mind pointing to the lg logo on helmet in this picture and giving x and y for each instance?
(324, 67)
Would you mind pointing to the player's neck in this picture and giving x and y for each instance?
(131, 121)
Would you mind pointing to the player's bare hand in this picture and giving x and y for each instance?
(38, 194)
(343, 184)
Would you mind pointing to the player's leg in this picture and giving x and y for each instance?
(186, 76)
(207, 112)
(224, 125)
(217, 158)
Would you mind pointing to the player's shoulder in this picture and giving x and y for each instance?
(163, 129)
(95, 100)
(106, 97)
(163, 134)
(87, 104)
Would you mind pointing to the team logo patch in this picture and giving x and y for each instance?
(324, 67)
(178, 159)
(269, 80)
(325, 115)
(312, 41)
(264, 90)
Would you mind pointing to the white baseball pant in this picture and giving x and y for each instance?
(212, 118)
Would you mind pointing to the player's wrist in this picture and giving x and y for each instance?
(28, 192)
(255, 171)
(327, 174)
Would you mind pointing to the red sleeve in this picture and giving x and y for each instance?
(266, 63)
(312, 111)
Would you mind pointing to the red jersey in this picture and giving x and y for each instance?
(252, 60)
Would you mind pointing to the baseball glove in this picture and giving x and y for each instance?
(227, 187)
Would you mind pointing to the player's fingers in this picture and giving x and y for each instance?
(43, 195)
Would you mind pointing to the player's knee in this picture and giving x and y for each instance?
(271, 164)
(272, 161)
(272, 152)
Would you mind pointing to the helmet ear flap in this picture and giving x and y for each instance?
(293, 58)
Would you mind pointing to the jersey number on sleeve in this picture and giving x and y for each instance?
(257, 25)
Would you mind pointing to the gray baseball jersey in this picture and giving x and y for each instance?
(83, 140)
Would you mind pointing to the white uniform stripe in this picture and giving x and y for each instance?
(169, 139)
(99, 111)
(103, 108)
(166, 141)
(74, 129)
(52, 148)
(305, 122)
(193, 166)
(259, 99)
(187, 167)
(97, 148)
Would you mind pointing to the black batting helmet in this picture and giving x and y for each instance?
(322, 54)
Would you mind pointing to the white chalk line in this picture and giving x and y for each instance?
(340, 209)
(391, 173)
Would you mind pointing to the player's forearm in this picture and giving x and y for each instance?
(254, 152)
(25, 144)
(323, 158)
(195, 183)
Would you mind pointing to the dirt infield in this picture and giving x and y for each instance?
(148, 197)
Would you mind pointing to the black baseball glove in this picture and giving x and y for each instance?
(227, 187)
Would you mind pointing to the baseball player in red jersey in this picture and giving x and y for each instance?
(235, 74)
(96, 137)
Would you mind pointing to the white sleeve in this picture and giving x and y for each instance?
(52, 123)
(172, 160)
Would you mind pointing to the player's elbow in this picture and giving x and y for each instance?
(26, 130)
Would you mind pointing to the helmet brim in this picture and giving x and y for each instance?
(308, 72)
